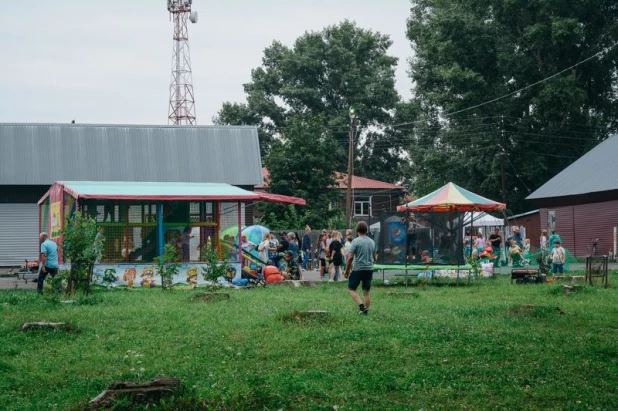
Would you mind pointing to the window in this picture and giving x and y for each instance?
(362, 206)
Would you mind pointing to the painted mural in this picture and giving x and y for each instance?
(144, 275)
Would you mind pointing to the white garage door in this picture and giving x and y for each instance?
(19, 226)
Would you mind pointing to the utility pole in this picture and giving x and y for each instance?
(502, 154)
(348, 208)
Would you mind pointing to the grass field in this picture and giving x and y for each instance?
(491, 345)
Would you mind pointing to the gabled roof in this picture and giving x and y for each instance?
(358, 183)
(594, 172)
(39, 154)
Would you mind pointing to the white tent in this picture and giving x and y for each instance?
(482, 220)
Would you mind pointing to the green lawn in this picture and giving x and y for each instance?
(476, 347)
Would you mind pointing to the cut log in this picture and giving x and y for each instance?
(151, 391)
(43, 325)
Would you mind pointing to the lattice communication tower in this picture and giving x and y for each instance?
(182, 101)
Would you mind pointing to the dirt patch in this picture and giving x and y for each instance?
(210, 297)
(407, 294)
(534, 311)
(306, 317)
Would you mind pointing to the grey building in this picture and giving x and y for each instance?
(34, 156)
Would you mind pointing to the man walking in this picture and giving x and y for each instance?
(49, 260)
(362, 255)
(495, 240)
(306, 246)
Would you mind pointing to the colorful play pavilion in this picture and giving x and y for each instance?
(138, 218)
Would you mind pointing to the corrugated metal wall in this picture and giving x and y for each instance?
(579, 225)
(19, 231)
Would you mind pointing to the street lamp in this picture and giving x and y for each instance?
(348, 210)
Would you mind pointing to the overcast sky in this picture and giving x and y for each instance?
(110, 61)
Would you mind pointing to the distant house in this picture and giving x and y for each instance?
(34, 156)
(370, 197)
(581, 202)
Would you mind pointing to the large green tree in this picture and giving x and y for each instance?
(300, 164)
(325, 73)
(468, 52)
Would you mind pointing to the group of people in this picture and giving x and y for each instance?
(517, 248)
(353, 258)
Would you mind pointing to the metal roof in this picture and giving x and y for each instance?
(165, 191)
(523, 214)
(39, 154)
(595, 171)
(155, 191)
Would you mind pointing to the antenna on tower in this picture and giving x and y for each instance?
(182, 101)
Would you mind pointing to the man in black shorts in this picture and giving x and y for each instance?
(362, 255)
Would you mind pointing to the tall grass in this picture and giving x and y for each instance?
(488, 345)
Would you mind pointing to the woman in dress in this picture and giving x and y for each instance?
(263, 247)
(321, 249)
(335, 252)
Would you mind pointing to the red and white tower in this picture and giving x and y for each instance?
(182, 101)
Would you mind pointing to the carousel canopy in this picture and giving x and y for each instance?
(451, 197)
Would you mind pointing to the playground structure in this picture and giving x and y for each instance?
(136, 219)
(432, 229)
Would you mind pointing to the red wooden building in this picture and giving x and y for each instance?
(531, 221)
(581, 202)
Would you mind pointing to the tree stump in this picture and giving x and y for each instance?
(568, 288)
(578, 278)
(44, 325)
(151, 391)
(210, 297)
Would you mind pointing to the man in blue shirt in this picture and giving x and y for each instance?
(49, 260)
(361, 255)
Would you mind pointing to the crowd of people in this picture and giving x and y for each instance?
(517, 248)
(284, 250)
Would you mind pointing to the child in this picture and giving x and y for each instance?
(558, 258)
(516, 253)
(425, 259)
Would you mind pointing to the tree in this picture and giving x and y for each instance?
(470, 51)
(300, 164)
(324, 73)
(81, 246)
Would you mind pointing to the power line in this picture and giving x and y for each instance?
(533, 84)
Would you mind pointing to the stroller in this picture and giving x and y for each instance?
(28, 271)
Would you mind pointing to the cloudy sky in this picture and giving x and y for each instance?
(110, 61)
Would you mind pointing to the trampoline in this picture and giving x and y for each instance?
(430, 233)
